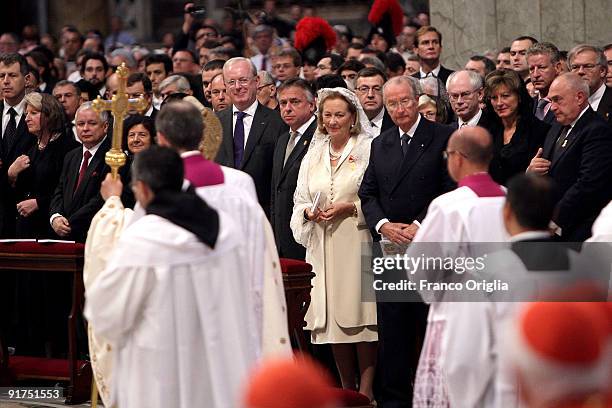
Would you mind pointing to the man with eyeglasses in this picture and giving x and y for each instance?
(405, 173)
(590, 63)
(465, 93)
(286, 64)
(368, 88)
(266, 91)
(250, 129)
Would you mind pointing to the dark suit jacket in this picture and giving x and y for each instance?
(442, 75)
(259, 151)
(582, 171)
(387, 122)
(487, 120)
(80, 206)
(21, 145)
(513, 158)
(549, 117)
(399, 188)
(605, 105)
(284, 182)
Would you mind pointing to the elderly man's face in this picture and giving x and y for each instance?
(463, 97)
(566, 103)
(586, 64)
(90, 128)
(401, 105)
(241, 83)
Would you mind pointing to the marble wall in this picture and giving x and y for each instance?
(475, 26)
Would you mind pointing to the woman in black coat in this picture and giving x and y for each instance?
(518, 133)
(35, 174)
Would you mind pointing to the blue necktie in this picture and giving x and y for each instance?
(239, 139)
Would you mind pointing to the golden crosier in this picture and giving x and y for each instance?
(119, 105)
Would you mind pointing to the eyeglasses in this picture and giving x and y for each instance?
(366, 89)
(259, 88)
(447, 153)
(586, 67)
(241, 81)
(404, 103)
(463, 95)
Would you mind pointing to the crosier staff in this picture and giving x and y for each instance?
(119, 106)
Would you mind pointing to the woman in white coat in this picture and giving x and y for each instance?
(333, 232)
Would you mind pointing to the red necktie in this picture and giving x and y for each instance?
(86, 157)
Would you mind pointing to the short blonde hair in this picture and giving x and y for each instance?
(355, 128)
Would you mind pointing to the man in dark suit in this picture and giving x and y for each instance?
(77, 196)
(16, 140)
(139, 85)
(590, 63)
(577, 155)
(406, 172)
(69, 95)
(465, 90)
(428, 46)
(297, 106)
(544, 60)
(250, 130)
(368, 87)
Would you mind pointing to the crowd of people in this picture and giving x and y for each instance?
(347, 140)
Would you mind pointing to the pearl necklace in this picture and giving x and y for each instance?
(334, 155)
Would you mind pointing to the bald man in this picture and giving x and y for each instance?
(470, 213)
(577, 155)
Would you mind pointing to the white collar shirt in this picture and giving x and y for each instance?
(472, 122)
(247, 120)
(377, 121)
(595, 99)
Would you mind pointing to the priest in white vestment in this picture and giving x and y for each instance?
(458, 362)
(174, 300)
(227, 190)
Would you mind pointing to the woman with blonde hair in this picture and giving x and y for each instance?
(328, 221)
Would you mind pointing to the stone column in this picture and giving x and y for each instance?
(476, 26)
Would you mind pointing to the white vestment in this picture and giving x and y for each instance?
(175, 313)
(602, 227)
(458, 364)
(237, 198)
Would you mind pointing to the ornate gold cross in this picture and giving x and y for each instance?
(119, 106)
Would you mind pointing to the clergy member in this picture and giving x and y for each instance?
(456, 365)
(174, 298)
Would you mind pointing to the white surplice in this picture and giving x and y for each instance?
(459, 366)
(236, 199)
(175, 312)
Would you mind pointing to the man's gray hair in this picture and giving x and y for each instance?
(104, 115)
(545, 48)
(181, 124)
(235, 60)
(411, 82)
(182, 84)
(474, 77)
(375, 62)
(129, 57)
(575, 82)
(265, 78)
(601, 57)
